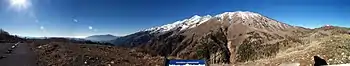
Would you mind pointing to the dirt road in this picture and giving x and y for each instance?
(21, 55)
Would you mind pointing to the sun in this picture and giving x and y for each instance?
(21, 4)
(18, 2)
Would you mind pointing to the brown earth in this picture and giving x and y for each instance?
(258, 48)
(223, 40)
(70, 54)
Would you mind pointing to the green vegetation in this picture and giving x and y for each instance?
(201, 53)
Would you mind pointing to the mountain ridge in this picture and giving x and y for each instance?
(229, 38)
(197, 20)
(236, 29)
(106, 37)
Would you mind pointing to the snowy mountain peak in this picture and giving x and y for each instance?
(197, 20)
(242, 14)
(253, 19)
(195, 17)
(183, 24)
(247, 14)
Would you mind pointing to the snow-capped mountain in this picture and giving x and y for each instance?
(196, 20)
(242, 14)
(208, 22)
(221, 33)
(183, 24)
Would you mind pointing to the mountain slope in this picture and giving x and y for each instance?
(229, 37)
(329, 43)
(107, 37)
(6, 37)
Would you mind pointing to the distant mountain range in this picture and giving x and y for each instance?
(101, 38)
(95, 38)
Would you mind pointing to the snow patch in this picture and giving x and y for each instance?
(183, 24)
(196, 20)
(242, 14)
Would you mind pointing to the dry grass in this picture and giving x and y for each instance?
(69, 54)
(334, 49)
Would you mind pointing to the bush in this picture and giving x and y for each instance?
(201, 54)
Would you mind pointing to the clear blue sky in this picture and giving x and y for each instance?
(122, 17)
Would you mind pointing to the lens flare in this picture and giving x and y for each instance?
(20, 4)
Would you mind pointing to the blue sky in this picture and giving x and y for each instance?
(122, 17)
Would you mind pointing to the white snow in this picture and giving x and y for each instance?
(184, 24)
(196, 20)
(242, 14)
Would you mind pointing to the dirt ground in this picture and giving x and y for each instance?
(69, 54)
